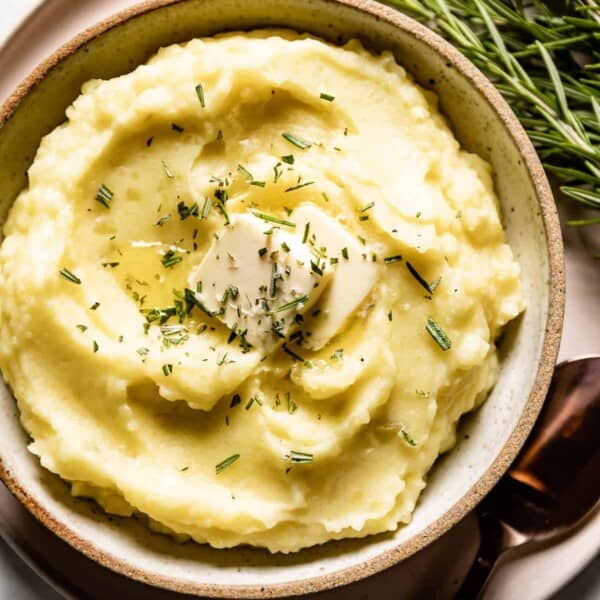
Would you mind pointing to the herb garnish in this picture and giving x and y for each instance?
(200, 94)
(177, 128)
(367, 207)
(167, 369)
(288, 159)
(163, 220)
(235, 400)
(297, 141)
(170, 259)
(407, 438)
(104, 195)
(306, 231)
(206, 208)
(438, 334)
(392, 259)
(95, 346)
(418, 277)
(226, 463)
(291, 304)
(345, 253)
(272, 219)
(327, 97)
(299, 186)
(295, 456)
(186, 211)
(69, 276)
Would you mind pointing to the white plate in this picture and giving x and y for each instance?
(434, 572)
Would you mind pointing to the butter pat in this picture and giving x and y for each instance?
(256, 278)
(353, 280)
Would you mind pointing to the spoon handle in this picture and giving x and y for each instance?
(497, 539)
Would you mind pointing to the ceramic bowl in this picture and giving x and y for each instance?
(488, 440)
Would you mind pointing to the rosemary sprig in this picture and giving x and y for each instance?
(547, 65)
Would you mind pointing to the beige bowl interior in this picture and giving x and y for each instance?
(488, 440)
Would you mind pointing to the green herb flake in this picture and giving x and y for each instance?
(345, 253)
(167, 369)
(95, 306)
(163, 220)
(81, 327)
(367, 207)
(177, 128)
(226, 463)
(288, 159)
(292, 304)
(438, 334)
(206, 208)
(296, 140)
(272, 219)
(95, 346)
(69, 276)
(407, 438)
(418, 278)
(200, 94)
(170, 259)
(392, 259)
(235, 400)
(295, 456)
(306, 232)
(104, 195)
(327, 97)
(299, 186)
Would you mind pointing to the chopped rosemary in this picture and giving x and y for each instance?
(299, 186)
(177, 128)
(327, 97)
(297, 141)
(206, 208)
(163, 220)
(226, 463)
(295, 456)
(245, 173)
(273, 281)
(291, 405)
(345, 253)
(392, 259)
(438, 334)
(407, 438)
(262, 252)
(295, 356)
(95, 306)
(306, 232)
(104, 195)
(272, 219)
(315, 268)
(69, 276)
(288, 159)
(291, 304)
(235, 400)
(338, 354)
(81, 328)
(170, 259)
(200, 94)
(418, 277)
(95, 346)
(367, 207)
(167, 369)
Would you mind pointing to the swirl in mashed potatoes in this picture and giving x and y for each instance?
(250, 290)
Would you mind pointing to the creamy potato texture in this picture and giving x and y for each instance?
(250, 289)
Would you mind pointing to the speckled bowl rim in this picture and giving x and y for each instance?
(460, 509)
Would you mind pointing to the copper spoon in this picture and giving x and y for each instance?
(555, 481)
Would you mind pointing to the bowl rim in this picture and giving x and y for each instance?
(549, 353)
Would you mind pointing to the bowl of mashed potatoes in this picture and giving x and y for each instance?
(265, 264)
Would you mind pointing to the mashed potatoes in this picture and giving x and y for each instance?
(250, 290)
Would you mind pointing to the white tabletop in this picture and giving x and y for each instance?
(581, 336)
